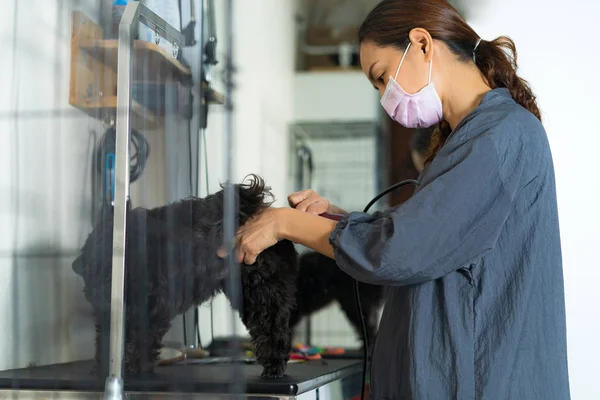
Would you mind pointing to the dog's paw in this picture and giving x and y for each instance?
(273, 373)
(96, 371)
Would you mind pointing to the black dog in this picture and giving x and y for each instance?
(171, 265)
(321, 281)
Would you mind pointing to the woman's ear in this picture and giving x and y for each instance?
(422, 40)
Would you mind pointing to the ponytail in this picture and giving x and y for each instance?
(497, 61)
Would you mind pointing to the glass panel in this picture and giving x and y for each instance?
(72, 214)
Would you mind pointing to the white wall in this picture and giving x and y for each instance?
(558, 54)
(334, 96)
(44, 187)
(264, 62)
(263, 58)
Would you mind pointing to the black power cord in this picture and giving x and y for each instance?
(106, 159)
(356, 288)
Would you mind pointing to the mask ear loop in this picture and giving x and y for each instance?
(430, 67)
(402, 60)
(475, 49)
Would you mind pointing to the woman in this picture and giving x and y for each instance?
(475, 308)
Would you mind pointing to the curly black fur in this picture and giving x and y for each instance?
(171, 266)
(321, 281)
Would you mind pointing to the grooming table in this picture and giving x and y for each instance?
(320, 379)
(348, 355)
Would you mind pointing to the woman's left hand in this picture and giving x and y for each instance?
(258, 233)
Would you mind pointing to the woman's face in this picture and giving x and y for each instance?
(379, 63)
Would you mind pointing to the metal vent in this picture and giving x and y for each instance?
(338, 160)
(334, 130)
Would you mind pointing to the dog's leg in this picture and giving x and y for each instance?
(271, 338)
(97, 368)
(139, 334)
(143, 342)
(267, 307)
(102, 326)
(157, 337)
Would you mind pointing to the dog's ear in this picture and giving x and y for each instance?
(253, 196)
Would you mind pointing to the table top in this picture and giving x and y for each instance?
(203, 378)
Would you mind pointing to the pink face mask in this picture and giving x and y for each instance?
(419, 110)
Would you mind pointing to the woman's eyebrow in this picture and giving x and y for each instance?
(370, 73)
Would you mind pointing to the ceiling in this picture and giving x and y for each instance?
(349, 12)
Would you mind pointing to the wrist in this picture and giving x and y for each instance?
(306, 229)
(284, 220)
(333, 209)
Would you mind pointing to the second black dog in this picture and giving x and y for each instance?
(321, 282)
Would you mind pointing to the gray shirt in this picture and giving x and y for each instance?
(475, 305)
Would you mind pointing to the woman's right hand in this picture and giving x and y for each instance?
(311, 202)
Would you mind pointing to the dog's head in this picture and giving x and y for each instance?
(95, 260)
(251, 196)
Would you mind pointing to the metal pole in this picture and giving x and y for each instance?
(229, 227)
(202, 116)
(127, 28)
(203, 113)
(236, 387)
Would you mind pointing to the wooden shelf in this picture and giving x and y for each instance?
(141, 118)
(94, 63)
(151, 62)
(214, 97)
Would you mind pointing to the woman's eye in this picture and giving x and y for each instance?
(380, 79)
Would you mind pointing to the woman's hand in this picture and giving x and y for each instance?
(311, 202)
(260, 232)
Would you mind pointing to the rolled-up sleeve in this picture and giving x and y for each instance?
(452, 219)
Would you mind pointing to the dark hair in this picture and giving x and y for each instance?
(391, 21)
(421, 140)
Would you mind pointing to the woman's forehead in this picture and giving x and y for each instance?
(369, 53)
